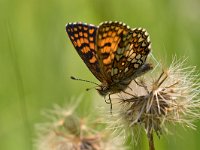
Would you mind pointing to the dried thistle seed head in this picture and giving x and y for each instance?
(66, 131)
(169, 96)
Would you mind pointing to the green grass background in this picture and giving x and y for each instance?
(37, 58)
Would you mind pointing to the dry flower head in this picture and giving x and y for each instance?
(159, 99)
(66, 131)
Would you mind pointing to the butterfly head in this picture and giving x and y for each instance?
(103, 89)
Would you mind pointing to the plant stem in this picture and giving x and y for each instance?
(151, 141)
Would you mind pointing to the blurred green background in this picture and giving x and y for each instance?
(37, 58)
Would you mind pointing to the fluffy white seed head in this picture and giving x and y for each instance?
(164, 97)
(67, 131)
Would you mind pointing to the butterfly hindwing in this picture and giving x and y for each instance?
(131, 54)
(83, 37)
(121, 50)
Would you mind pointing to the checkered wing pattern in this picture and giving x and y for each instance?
(83, 37)
(121, 50)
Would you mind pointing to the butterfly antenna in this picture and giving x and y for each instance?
(73, 78)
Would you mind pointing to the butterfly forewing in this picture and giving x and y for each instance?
(109, 36)
(83, 37)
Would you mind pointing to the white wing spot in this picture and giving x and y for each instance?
(143, 44)
(138, 56)
(126, 69)
(117, 57)
(148, 39)
(146, 33)
(140, 39)
(149, 47)
(133, 56)
(119, 51)
(143, 58)
(115, 71)
(136, 65)
(134, 60)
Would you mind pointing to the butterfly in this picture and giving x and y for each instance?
(113, 52)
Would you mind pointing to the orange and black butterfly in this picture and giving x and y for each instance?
(113, 52)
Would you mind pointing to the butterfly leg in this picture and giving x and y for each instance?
(144, 86)
(108, 101)
(128, 93)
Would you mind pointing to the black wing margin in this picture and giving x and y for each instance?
(83, 37)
